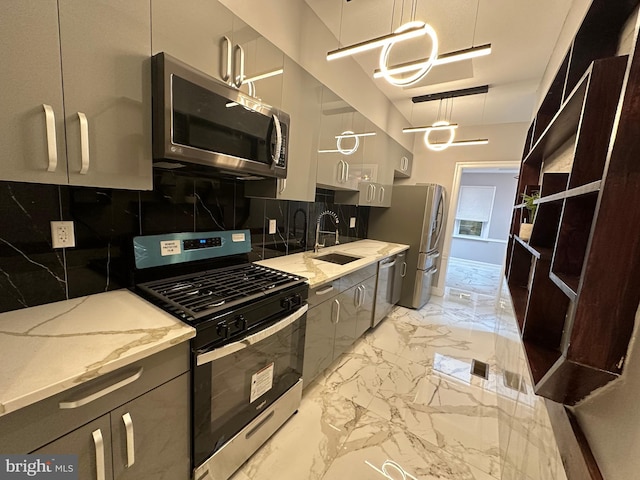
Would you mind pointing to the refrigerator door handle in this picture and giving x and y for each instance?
(440, 226)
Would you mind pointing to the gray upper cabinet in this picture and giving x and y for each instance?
(339, 161)
(301, 99)
(193, 31)
(401, 159)
(31, 77)
(99, 51)
(106, 70)
(207, 36)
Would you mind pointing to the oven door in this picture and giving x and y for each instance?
(234, 383)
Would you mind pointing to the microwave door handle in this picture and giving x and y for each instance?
(276, 151)
(208, 357)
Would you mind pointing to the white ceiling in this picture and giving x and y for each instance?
(522, 33)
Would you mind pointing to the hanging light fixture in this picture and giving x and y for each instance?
(444, 125)
(417, 70)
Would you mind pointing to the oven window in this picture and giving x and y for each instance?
(208, 121)
(231, 391)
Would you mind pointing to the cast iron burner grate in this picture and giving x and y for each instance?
(203, 293)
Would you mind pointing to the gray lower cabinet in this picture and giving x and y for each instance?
(366, 305)
(92, 444)
(339, 313)
(155, 427)
(75, 92)
(133, 423)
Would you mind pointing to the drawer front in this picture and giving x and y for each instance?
(324, 292)
(358, 276)
(30, 428)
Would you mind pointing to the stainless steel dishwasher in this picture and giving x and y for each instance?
(384, 289)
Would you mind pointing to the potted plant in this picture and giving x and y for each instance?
(527, 227)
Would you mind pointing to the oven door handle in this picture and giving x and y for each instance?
(217, 353)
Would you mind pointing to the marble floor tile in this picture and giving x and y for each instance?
(402, 403)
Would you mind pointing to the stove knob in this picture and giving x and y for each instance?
(241, 322)
(223, 330)
(286, 303)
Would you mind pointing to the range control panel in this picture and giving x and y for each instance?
(173, 248)
(198, 243)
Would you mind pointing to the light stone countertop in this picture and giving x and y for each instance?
(320, 272)
(47, 349)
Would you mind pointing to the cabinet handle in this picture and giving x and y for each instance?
(275, 156)
(404, 163)
(325, 291)
(356, 297)
(370, 192)
(131, 448)
(404, 269)
(225, 63)
(381, 195)
(362, 291)
(387, 265)
(346, 172)
(283, 184)
(337, 303)
(101, 393)
(98, 443)
(239, 80)
(341, 171)
(84, 143)
(52, 147)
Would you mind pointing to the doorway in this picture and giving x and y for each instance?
(477, 228)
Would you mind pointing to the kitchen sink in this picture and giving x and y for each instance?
(338, 258)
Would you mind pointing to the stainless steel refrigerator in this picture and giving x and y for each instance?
(415, 218)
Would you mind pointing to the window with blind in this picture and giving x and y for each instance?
(474, 211)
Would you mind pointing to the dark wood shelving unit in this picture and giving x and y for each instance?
(575, 284)
(550, 266)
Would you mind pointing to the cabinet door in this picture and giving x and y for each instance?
(318, 352)
(92, 444)
(365, 306)
(193, 31)
(31, 77)
(336, 170)
(402, 160)
(151, 434)
(301, 99)
(346, 320)
(106, 48)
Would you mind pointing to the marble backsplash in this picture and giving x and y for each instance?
(106, 220)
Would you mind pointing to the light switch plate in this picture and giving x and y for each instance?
(62, 235)
(352, 222)
(272, 226)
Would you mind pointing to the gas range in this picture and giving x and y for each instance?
(248, 352)
(220, 302)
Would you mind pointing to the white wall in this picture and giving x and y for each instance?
(493, 249)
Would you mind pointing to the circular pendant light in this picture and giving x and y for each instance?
(441, 125)
(425, 67)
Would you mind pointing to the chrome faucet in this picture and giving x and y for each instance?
(317, 245)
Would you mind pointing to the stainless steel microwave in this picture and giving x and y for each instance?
(202, 124)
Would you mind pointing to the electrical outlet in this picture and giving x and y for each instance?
(272, 226)
(352, 222)
(62, 235)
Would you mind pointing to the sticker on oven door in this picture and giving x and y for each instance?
(170, 247)
(237, 237)
(261, 382)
